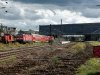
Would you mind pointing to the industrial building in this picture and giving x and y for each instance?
(7, 30)
(90, 31)
(28, 32)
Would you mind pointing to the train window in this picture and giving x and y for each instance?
(10, 37)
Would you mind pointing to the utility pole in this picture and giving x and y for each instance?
(61, 27)
(61, 21)
(50, 39)
(60, 32)
(50, 30)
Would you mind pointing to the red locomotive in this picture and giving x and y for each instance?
(7, 38)
(23, 38)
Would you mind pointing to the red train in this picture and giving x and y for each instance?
(6, 38)
(23, 38)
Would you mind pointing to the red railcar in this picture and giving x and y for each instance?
(36, 38)
(24, 38)
(48, 38)
(7, 38)
(41, 38)
(33, 39)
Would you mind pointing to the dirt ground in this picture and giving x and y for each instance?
(48, 60)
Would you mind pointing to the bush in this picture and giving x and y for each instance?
(92, 66)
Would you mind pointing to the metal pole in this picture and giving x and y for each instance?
(50, 30)
(61, 27)
(61, 21)
(50, 40)
(60, 32)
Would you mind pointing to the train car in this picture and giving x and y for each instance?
(50, 39)
(46, 38)
(33, 39)
(41, 38)
(23, 38)
(7, 38)
(36, 38)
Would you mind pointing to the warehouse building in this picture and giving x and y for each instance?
(90, 31)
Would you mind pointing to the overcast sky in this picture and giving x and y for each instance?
(29, 14)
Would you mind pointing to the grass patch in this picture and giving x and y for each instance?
(92, 66)
(80, 46)
(94, 43)
(5, 47)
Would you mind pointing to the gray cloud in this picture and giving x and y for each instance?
(12, 14)
(62, 2)
(18, 13)
(89, 12)
(29, 14)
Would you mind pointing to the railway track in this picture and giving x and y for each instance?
(10, 52)
(5, 54)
